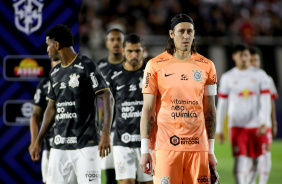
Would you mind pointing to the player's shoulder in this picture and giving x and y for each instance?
(160, 60)
(102, 63)
(115, 71)
(229, 73)
(200, 59)
(43, 83)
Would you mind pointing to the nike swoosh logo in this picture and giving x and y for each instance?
(166, 75)
(119, 87)
(92, 179)
(55, 84)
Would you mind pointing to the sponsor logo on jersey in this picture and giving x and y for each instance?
(184, 77)
(102, 65)
(162, 60)
(128, 109)
(93, 175)
(184, 102)
(246, 93)
(78, 66)
(94, 80)
(178, 111)
(121, 167)
(63, 85)
(115, 74)
(54, 84)
(167, 75)
(197, 76)
(119, 87)
(37, 96)
(147, 79)
(126, 138)
(73, 82)
(203, 179)
(64, 140)
(132, 87)
(175, 140)
(202, 61)
(165, 180)
(141, 82)
(62, 104)
(55, 71)
(61, 114)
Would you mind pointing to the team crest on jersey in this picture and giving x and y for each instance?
(197, 75)
(73, 82)
(121, 167)
(165, 180)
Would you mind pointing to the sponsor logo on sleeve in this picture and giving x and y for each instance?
(203, 179)
(201, 60)
(147, 79)
(37, 96)
(162, 60)
(55, 71)
(94, 80)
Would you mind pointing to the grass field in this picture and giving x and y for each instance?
(225, 163)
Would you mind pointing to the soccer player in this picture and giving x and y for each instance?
(114, 40)
(39, 105)
(244, 95)
(74, 87)
(126, 83)
(181, 84)
(265, 159)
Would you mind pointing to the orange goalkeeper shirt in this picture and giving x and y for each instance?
(179, 87)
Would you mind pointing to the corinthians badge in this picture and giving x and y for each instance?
(197, 75)
(73, 82)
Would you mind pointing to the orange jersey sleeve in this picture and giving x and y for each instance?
(179, 86)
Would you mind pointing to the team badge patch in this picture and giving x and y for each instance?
(197, 75)
(73, 82)
(121, 167)
(165, 180)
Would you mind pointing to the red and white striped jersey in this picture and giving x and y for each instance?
(245, 95)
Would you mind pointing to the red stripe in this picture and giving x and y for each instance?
(220, 95)
(274, 96)
(264, 91)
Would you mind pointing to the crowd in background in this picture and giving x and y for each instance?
(213, 18)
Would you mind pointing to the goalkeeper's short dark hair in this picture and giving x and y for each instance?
(62, 34)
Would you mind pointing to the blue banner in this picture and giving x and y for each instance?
(24, 62)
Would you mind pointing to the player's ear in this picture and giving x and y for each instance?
(57, 45)
(122, 50)
(171, 34)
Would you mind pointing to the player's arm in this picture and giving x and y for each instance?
(222, 105)
(273, 118)
(108, 109)
(48, 120)
(210, 123)
(146, 127)
(35, 119)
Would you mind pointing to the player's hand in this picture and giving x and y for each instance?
(213, 161)
(35, 152)
(146, 163)
(30, 147)
(105, 144)
(221, 138)
(261, 130)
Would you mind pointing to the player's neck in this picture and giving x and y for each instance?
(67, 56)
(115, 59)
(183, 55)
(131, 68)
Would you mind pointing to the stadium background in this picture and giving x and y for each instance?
(219, 25)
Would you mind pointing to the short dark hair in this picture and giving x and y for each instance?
(239, 48)
(132, 38)
(170, 47)
(62, 34)
(115, 29)
(254, 50)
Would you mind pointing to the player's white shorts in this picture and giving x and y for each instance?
(108, 161)
(127, 164)
(74, 166)
(44, 164)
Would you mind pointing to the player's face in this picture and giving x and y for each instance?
(114, 42)
(133, 53)
(242, 59)
(183, 35)
(255, 60)
(51, 49)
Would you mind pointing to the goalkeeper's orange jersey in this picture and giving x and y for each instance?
(179, 87)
